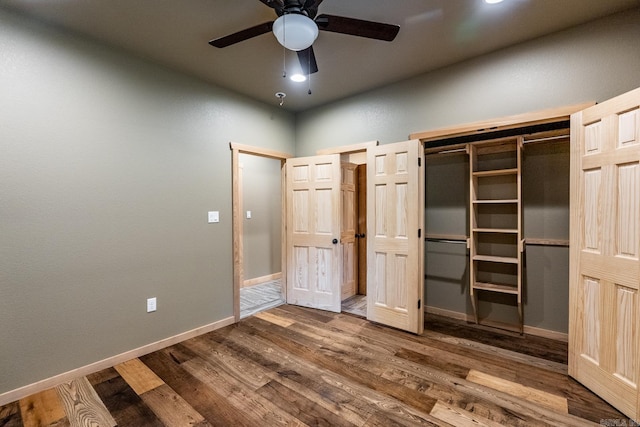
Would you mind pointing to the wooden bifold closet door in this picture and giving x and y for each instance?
(604, 314)
(395, 245)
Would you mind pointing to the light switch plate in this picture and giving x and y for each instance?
(151, 304)
(248, 214)
(214, 216)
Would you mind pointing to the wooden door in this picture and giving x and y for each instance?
(348, 229)
(604, 317)
(314, 267)
(362, 229)
(395, 211)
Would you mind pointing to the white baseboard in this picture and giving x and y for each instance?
(530, 330)
(19, 393)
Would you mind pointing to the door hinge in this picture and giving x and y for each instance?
(419, 233)
(419, 161)
(419, 303)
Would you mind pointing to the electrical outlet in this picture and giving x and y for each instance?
(151, 304)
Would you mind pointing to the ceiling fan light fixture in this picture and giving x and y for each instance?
(295, 31)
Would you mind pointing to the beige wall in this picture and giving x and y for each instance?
(108, 166)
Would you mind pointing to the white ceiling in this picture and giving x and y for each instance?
(433, 34)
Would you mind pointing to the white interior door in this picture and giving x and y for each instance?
(604, 316)
(395, 212)
(314, 259)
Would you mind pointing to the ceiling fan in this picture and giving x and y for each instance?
(297, 25)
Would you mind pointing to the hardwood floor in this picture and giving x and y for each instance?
(298, 366)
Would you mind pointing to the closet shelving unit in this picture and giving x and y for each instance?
(496, 242)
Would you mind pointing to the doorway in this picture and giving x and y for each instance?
(353, 238)
(261, 208)
(257, 278)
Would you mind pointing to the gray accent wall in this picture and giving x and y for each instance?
(108, 167)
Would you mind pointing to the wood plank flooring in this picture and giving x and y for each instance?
(298, 366)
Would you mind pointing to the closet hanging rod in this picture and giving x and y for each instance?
(446, 152)
(545, 139)
(456, 150)
(434, 239)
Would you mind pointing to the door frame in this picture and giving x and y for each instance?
(236, 200)
(355, 153)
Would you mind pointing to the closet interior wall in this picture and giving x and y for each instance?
(545, 218)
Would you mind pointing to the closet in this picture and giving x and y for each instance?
(511, 214)
(604, 242)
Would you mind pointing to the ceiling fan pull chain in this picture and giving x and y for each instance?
(284, 63)
(284, 51)
(309, 71)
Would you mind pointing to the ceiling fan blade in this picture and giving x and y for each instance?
(277, 5)
(311, 6)
(357, 27)
(243, 35)
(273, 3)
(307, 61)
(312, 3)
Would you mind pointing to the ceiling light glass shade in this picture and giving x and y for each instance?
(294, 31)
(298, 78)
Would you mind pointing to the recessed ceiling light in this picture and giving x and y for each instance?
(493, 1)
(298, 77)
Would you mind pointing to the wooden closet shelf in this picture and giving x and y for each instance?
(488, 199)
(496, 172)
(496, 230)
(494, 201)
(494, 287)
(493, 258)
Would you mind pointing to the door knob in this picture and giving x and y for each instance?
(335, 241)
